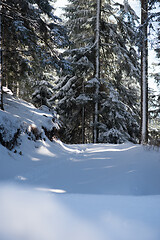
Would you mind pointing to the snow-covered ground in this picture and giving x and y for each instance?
(53, 191)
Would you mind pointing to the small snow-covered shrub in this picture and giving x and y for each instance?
(51, 124)
(154, 137)
(33, 132)
(112, 136)
(10, 130)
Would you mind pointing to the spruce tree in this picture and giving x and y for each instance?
(148, 17)
(75, 100)
(157, 48)
(154, 100)
(31, 36)
(119, 74)
(119, 119)
(97, 71)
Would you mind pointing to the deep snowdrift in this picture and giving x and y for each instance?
(117, 186)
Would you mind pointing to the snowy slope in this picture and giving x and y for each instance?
(106, 191)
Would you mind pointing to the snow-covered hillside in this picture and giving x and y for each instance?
(53, 191)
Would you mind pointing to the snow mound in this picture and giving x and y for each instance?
(9, 129)
(21, 117)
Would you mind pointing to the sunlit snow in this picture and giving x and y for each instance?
(54, 191)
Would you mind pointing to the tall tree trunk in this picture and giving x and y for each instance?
(144, 73)
(83, 117)
(83, 124)
(17, 89)
(97, 70)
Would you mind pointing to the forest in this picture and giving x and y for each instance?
(79, 120)
(90, 67)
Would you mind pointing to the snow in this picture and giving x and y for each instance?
(10, 127)
(59, 5)
(54, 191)
(45, 216)
(92, 82)
(82, 98)
(26, 113)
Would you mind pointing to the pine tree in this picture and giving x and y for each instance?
(43, 93)
(31, 38)
(147, 19)
(157, 48)
(154, 106)
(75, 103)
(97, 70)
(119, 114)
(119, 72)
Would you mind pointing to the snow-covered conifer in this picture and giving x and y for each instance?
(32, 35)
(119, 69)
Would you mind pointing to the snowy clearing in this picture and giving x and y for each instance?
(53, 191)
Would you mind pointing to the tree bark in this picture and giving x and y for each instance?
(97, 71)
(144, 73)
(83, 116)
